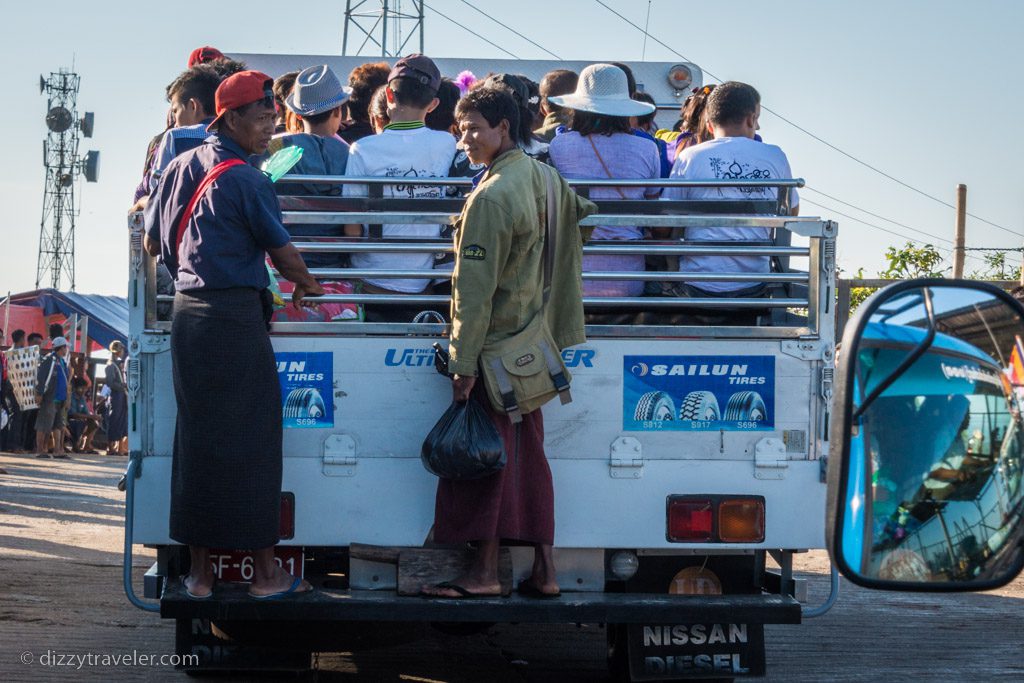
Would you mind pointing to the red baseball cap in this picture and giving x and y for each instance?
(202, 55)
(240, 89)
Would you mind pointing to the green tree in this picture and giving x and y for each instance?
(902, 263)
(996, 267)
(911, 262)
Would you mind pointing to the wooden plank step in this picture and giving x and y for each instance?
(374, 553)
(418, 567)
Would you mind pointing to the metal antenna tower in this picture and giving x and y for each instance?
(388, 20)
(56, 263)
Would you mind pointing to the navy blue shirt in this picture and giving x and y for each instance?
(232, 227)
(666, 165)
(61, 373)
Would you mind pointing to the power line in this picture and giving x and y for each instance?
(531, 42)
(469, 30)
(875, 215)
(655, 39)
(862, 222)
(812, 135)
(946, 251)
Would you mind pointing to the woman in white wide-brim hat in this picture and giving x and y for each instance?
(600, 143)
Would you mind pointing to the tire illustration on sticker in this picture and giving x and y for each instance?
(746, 406)
(654, 406)
(304, 403)
(698, 393)
(307, 389)
(700, 405)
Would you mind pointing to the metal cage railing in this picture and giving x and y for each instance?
(798, 300)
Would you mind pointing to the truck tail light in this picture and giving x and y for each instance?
(741, 520)
(690, 520)
(715, 518)
(286, 527)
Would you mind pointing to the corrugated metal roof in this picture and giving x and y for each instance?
(108, 315)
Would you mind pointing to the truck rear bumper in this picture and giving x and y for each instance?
(231, 602)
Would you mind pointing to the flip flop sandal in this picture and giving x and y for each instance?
(291, 591)
(463, 593)
(527, 589)
(189, 594)
(43, 456)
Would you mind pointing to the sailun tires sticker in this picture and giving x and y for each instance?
(307, 389)
(698, 393)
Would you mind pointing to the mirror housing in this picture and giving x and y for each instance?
(925, 488)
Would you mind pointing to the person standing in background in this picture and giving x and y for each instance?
(600, 144)
(52, 390)
(554, 83)
(364, 81)
(732, 115)
(117, 416)
(405, 148)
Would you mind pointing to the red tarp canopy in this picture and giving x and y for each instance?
(28, 318)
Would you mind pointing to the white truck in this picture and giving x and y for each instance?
(690, 455)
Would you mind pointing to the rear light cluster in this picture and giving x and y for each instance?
(715, 519)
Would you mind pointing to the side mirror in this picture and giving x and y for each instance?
(927, 439)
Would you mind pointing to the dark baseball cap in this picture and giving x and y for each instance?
(419, 67)
(240, 89)
(202, 55)
(520, 93)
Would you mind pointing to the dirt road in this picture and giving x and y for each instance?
(61, 600)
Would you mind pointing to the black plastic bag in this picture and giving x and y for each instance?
(464, 444)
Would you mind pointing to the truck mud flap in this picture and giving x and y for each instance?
(231, 602)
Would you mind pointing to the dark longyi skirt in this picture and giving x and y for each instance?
(517, 503)
(117, 419)
(226, 476)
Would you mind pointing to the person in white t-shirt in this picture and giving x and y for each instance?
(731, 114)
(406, 148)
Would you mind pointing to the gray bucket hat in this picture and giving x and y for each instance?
(317, 89)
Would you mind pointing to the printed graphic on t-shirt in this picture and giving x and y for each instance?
(735, 170)
(413, 191)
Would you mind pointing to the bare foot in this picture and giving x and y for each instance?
(469, 584)
(545, 587)
(280, 581)
(544, 578)
(198, 586)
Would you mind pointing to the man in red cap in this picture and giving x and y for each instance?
(202, 55)
(212, 219)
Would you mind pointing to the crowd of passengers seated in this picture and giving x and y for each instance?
(399, 121)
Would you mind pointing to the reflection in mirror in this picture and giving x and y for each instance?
(934, 486)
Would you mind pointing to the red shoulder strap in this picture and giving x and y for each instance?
(214, 173)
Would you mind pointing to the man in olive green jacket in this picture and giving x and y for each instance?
(497, 290)
(497, 286)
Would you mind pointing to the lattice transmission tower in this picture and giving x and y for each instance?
(394, 24)
(56, 262)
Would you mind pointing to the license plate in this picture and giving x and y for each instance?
(239, 565)
(673, 651)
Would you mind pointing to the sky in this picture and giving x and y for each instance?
(927, 91)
